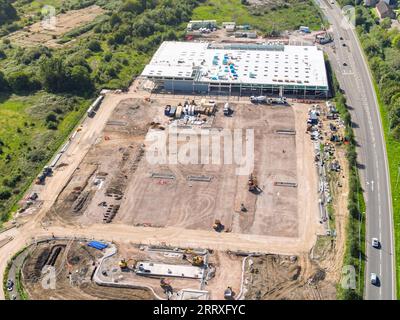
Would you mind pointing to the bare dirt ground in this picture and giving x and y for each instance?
(276, 277)
(116, 173)
(111, 142)
(195, 204)
(37, 34)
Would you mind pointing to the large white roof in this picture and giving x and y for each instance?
(301, 65)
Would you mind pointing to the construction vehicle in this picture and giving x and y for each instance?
(47, 171)
(166, 286)
(218, 226)
(123, 264)
(259, 99)
(229, 294)
(196, 261)
(40, 179)
(252, 183)
(227, 110)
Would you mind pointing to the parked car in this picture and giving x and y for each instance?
(375, 243)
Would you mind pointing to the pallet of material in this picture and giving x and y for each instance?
(162, 176)
(199, 178)
(285, 184)
(284, 131)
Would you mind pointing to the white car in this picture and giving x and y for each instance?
(375, 243)
(374, 279)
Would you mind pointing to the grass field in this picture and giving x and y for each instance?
(289, 17)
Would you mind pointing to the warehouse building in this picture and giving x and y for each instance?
(198, 67)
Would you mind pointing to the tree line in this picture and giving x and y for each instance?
(381, 44)
(137, 25)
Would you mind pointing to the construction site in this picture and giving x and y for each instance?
(116, 183)
(81, 269)
(195, 228)
(197, 190)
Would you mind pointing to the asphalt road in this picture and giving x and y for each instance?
(355, 79)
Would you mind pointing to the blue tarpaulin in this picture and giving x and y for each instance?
(97, 245)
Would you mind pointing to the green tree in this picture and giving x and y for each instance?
(53, 74)
(94, 46)
(80, 81)
(21, 81)
(7, 12)
(3, 83)
(396, 42)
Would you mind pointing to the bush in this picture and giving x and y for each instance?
(5, 194)
(37, 156)
(21, 81)
(94, 46)
(51, 117)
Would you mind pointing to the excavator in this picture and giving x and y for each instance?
(253, 186)
(166, 286)
(123, 264)
(218, 226)
(197, 261)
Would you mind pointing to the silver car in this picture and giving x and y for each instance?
(374, 278)
(375, 243)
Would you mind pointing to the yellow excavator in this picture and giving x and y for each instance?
(123, 264)
(197, 261)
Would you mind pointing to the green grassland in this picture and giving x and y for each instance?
(27, 142)
(268, 19)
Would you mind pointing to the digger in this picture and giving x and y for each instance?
(166, 286)
(197, 261)
(218, 226)
(253, 186)
(123, 264)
